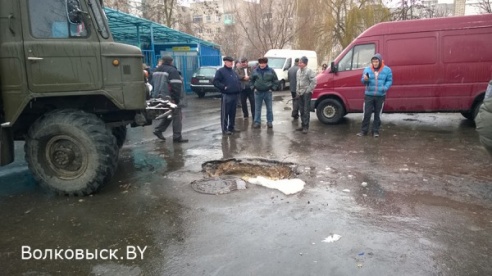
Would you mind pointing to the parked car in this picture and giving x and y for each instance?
(201, 81)
(484, 120)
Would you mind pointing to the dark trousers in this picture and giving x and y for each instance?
(176, 119)
(247, 94)
(228, 112)
(295, 105)
(304, 102)
(372, 104)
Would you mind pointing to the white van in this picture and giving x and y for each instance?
(281, 60)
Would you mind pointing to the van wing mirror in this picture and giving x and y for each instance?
(333, 67)
(74, 11)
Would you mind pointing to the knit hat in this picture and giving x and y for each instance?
(304, 59)
(167, 59)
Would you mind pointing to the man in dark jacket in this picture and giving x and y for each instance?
(227, 81)
(292, 75)
(263, 81)
(168, 83)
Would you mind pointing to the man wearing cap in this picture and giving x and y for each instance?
(227, 81)
(168, 83)
(292, 75)
(306, 81)
(244, 72)
(263, 81)
(377, 78)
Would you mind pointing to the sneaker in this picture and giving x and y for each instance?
(228, 133)
(360, 134)
(180, 140)
(269, 125)
(305, 131)
(376, 134)
(245, 117)
(299, 129)
(235, 130)
(159, 135)
(295, 117)
(255, 125)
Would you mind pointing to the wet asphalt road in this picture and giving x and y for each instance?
(426, 210)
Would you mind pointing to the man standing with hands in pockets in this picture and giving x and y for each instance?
(306, 81)
(244, 72)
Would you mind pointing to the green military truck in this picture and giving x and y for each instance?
(68, 90)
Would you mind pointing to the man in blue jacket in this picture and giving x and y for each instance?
(378, 79)
(227, 81)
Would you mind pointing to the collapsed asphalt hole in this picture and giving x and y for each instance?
(225, 176)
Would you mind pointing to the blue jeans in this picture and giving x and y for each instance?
(265, 96)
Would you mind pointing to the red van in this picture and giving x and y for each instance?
(439, 65)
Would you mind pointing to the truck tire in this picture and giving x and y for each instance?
(330, 111)
(470, 115)
(120, 134)
(71, 152)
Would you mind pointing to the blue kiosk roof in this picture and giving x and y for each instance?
(131, 29)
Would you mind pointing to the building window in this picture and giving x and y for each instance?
(218, 30)
(267, 15)
(209, 18)
(228, 19)
(217, 18)
(197, 19)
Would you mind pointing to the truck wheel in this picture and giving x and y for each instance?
(281, 86)
(476, 108)
(71, 152)
(200, 94)
(120, 134)
(467, 115)
(470, 115)
(330, 111)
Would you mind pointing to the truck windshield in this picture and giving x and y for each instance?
(276, 63)
(100, 17)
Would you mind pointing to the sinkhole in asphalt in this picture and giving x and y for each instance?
(225, 176)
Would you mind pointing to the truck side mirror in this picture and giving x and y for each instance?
(74, 11)
(333, 67)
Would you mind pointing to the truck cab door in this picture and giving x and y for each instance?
(62, 53)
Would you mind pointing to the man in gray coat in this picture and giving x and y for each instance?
(483, 120)
(306, 81)
(292, 76)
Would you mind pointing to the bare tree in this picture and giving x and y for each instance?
(120, 5)
(485, 6)
(339, 22)
(269, 24)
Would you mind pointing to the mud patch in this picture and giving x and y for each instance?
(250, 167)
(225, 176)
